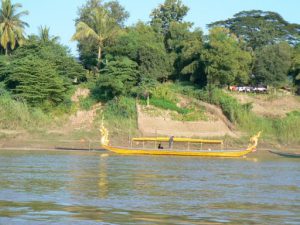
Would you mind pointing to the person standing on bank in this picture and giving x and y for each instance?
(171, 141)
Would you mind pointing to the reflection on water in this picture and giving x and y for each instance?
(101, 188)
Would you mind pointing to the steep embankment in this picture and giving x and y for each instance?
(269, 106)
(215, 125)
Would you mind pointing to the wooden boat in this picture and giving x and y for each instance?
(286, 154)
(176, 152)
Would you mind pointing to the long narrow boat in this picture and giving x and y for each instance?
(177, 152)
(286, 154)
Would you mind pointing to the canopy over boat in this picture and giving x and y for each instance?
(176, 139)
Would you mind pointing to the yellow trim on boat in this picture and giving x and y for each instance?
(204, 153)
(166, 139)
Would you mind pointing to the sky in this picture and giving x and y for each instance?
(59, 15)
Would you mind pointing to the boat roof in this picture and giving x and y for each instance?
(176, 139)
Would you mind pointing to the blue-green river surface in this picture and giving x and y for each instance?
(43, 187)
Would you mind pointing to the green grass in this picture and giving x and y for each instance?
(17, 115)
(168, 105)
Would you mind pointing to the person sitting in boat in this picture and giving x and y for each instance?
(160, 146)
(171, 141)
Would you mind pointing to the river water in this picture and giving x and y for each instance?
(41, 187)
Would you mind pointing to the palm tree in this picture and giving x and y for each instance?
(44, 35)
(11, 26)
(101, 29)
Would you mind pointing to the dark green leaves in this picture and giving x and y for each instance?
(259, 28)
(117, 78)
(272, 64)
(35, 80)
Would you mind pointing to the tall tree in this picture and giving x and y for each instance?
(44, 35)
(102, 29)
(226, 63)
(190, 63)
(144, 46)
(166, 16)
(166, 13)
(259, 28)
(89, 48)
(272, 64)
(11, 25)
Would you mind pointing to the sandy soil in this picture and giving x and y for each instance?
(82, 119)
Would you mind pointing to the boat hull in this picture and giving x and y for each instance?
(207, 153)
(287, 154)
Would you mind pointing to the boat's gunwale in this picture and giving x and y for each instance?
(130, 151)
(177, 150)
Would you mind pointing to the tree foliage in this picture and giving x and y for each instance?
(272, 64)
(259, 28)
(11, 25)
(35, 80)
(56, 54)
(142, 45)
(117, 78)
(165, 14)
(97, 24)
(187, 47)
(295, 69)
(167, 19)
(226, 63)
(40, 72)
(44, 35)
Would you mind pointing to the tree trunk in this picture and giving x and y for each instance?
(6, 50)
(99, 56)
(148, 101)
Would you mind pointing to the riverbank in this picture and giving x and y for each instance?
(63, 143)
(126, 118)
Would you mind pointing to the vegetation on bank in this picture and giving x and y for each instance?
(157, 61)
(282, 130)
